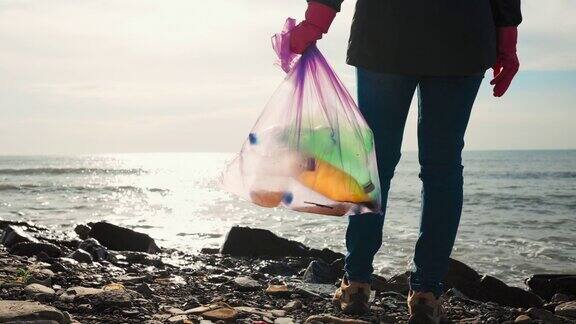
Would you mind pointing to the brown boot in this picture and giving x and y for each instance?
(352, 297)
(424, 308)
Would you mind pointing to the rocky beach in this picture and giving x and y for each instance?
(103, 273)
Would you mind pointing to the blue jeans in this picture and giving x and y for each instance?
(444, 106)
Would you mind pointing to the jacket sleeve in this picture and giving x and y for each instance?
(506, 13)
(331, 3)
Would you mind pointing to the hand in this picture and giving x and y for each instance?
(507, 63)
(317, 21)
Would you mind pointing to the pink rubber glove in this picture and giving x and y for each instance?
(507, 63)
(317, 22)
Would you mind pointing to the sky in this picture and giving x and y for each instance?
(112, 76)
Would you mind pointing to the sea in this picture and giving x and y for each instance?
(519, 215)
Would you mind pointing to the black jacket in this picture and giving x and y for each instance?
(427, 37)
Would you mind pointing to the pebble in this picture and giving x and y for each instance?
(560, 298)
(278, 290)
(179, 319)
(38, 289)
(524, 319)
(292, 305)
(278, 313)
(284, 320)
(246, 284)
(224, 313)
(566, 309)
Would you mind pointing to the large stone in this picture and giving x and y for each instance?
(36, 249)
(14, 234)
(254, 242)
(96, 250)
(81, 256)
(73, 293)
(122, 239)
(319, 272)
(397, 283)
(494, 290)
(463, 278)
(113, 298)
(39, 290)
(82, 230)
(547, 285)
(566, 309)
(12, 311)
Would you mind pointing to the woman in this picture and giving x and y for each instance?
(441, 48)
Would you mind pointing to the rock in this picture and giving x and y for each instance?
(72, 293)
(122, 239)
(284, 320)
(223, 313)
(292, 305)
(145, 290)
(278, 269)
(378, 283)
(278, 312)
(566, 309)
(278, 290)
(398, 283)
(12, 311)
(524, 319)
(130, 279)
(207, 250)
(332, 320)
(35, 249)
(200, 309)
(495, 290)
(314, 290)
(113, 298)
(338, 267)
(463, 278)
(179, 319)
(83, 231)
(39, 290)
(81, 256)
(143, 258)
(546, 285)
(543, 315)
(14, 234)
(95, 249)
(255, 242)
(325, 254)
(246, 284)
(561, 298)
(319, 272)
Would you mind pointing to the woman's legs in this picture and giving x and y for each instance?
(445, 104)
(384, 100)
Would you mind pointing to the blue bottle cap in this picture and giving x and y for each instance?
(287, 198)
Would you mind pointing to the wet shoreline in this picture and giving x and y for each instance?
(254, 277)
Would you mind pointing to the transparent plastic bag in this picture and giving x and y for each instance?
(310, 150)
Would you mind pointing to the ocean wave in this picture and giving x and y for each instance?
(524, 175)
(60, 171)
(53, 189)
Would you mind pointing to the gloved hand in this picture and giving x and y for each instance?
(507, 63)
(317, 21)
